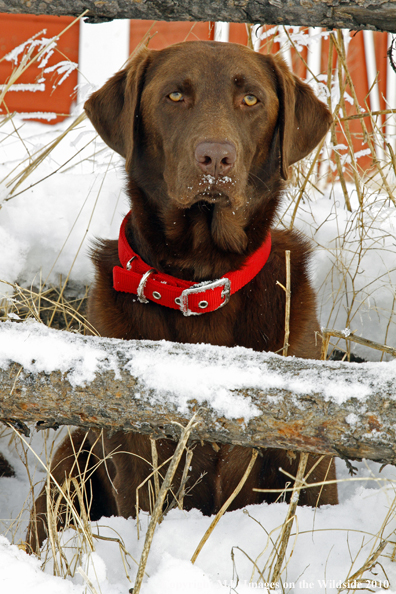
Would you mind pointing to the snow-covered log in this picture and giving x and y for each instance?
(377, 15)
(53, 378)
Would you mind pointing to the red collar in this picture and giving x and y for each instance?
(190, 298)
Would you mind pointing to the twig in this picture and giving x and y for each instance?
(43, 155)
(225, 506)
(367, 114)
(76, 516)
(327, 332)
(367, 566)
(87, 580)
(346, 124)
(154, 457)
(182, 491)
(333, 125)
(287, 307)
(304, 184)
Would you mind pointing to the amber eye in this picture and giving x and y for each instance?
(250, 100)
(175, 96)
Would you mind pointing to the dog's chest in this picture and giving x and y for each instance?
(243, 322)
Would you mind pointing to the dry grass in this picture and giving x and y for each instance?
(64, 306)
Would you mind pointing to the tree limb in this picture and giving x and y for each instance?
(377, 15)
(243, 397)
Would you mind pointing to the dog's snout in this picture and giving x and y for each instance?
(215, 158)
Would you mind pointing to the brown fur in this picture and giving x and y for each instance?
(196, 229)
(6, 469)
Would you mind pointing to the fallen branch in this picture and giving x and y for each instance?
(376, 15)
(243, 397)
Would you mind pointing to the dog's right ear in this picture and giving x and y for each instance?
(303, 120)
(113, 108)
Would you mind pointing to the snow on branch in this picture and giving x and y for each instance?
(52, 378)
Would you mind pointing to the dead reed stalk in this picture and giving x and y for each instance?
(287, 291)
(159, 503)
(288, 523)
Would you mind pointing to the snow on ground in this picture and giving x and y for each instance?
(353, 263)
(329, 542)
(43, 228)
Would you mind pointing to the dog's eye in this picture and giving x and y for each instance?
(250, 100)
(175, 96)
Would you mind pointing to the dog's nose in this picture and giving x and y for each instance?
(215, 158)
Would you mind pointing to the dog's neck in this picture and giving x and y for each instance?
(202, 242)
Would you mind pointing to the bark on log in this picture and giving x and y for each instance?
(377, 15)
(247, 398)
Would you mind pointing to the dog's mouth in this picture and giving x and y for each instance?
(213, 191)
(213, 196)
(222, 192)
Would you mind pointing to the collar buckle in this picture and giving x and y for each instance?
(201, 288)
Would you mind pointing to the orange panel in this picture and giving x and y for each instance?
(357, 65)
(238, 33)
(356, 62)
(165, 33)
(381, 48)
(17, 29)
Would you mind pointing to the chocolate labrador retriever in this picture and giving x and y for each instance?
(208, 131)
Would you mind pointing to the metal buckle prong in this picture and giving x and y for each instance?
(128, 265)
(201, 287)
(140, 290)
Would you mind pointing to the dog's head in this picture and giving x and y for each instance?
(208, 122)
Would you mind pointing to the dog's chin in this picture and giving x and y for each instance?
(228, 229)
(226, 220)
(221, 215)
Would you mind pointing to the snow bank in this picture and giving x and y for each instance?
(325, 541)
(21, 573)
(47, 230)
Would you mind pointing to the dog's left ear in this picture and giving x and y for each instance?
(303, 120)
(113, 108)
